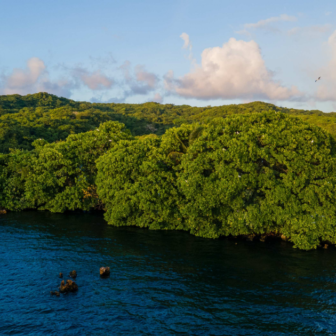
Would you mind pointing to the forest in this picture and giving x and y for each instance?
(254, 170)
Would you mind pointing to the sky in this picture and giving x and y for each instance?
(194, 52)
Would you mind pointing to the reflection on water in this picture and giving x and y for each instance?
(161, 283)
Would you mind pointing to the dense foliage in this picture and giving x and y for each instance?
(233, 170)
(248, 175)
(58, 176)
(24, 119)
(42, 116)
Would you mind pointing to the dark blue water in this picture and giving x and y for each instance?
(161, 283)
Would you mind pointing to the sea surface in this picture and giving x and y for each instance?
(161, 283)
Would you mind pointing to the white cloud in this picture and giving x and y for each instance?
(140, 82)
(22, 80)
(187, 45)
(125, 68)
(34, 78)
(94, 80)
(235, 70)
(326, 90)
(169, 82)
(267, 22)
(145, 77)
(310, 31)
(186, 39)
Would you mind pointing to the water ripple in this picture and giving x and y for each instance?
(161, 283)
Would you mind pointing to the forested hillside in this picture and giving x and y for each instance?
(23, 119)
(255, 169)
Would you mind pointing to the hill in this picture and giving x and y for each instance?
(23, 119)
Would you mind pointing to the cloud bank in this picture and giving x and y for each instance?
(34, 78)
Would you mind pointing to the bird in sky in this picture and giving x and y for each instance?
(317, 79)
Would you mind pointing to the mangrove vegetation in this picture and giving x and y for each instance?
(251, 169)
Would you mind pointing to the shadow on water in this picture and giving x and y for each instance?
(162, 282)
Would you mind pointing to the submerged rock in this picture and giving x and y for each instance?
(69, 286)
(73, 274)
(55, 293)
(104, 271)
(61, 275)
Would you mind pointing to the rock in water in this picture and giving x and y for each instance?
(325, 246)
(104, 271)
(55, 293)
(2, 212)
(61, 275)
(73, 274)
(69, 286)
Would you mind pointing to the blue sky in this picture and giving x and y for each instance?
(179, 51)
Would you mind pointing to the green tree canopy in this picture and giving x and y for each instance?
(244, 175)
(58, 176)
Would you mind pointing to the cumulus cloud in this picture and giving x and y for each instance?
(94, 80)
(23, 78)
(326, 90)
(140, 81)
(34, 78)
(235, 70)
(143, 76)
